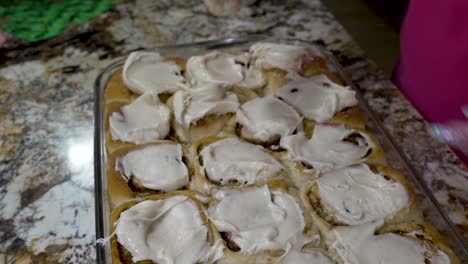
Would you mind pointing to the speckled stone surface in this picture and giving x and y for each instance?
(46, 115)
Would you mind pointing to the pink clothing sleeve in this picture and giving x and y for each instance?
(432, 71)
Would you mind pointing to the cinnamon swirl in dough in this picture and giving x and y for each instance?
(221, 162)
(357, 195)
(201, 111)
(166, 228)
(140, 170)
(405, 243)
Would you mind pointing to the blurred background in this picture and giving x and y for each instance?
(374, 24)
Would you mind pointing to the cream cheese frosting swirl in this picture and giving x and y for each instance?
(224, 69)
(143, 121)
(230, 161)
(148, 72)
(194, 104)
(316, 97)
(359, 245)
(327, 148)
(157, 167)
(167, 231)
(356, 195)
(257, 218)
(267, 117)
(289, 58)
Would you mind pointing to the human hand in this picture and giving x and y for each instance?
(454, 133)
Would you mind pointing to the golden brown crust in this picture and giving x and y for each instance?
(204, 185)
(118, 258)
(118, 189)
(327, 221)
(116, 90)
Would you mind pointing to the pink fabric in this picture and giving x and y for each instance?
(433, 68)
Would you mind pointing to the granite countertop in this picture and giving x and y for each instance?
(46, 115)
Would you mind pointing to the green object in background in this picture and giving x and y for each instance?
(34, 20)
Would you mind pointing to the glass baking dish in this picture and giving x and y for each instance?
(432, 211)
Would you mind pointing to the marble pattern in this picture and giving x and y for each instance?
(46, 115)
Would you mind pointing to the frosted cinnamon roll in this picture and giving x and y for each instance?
(258, 224)
(318, 99)
(281, 63)
(323, 148)
(221, 162)
(142, 121)
(415, 242)
(265, 120)
(227, 69)
(360, 194)
(147, 169)
(166, 228)
(145, 72)
(201, 111)
(288, 58)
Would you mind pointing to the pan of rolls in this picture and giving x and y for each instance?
(251, 154)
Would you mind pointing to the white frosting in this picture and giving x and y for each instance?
(296, 253)
(148, 72)
(267, 117)
(257, 219)
(326, 150)
(166, 231)
(317, 97)
(143, 121)
(285, 57)
(253, 77)
(157, 167)
(359, 245)
(224, 69)
(217, 67)
(302, 257)
(356, 195)
(192, 105)
(231, 159)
